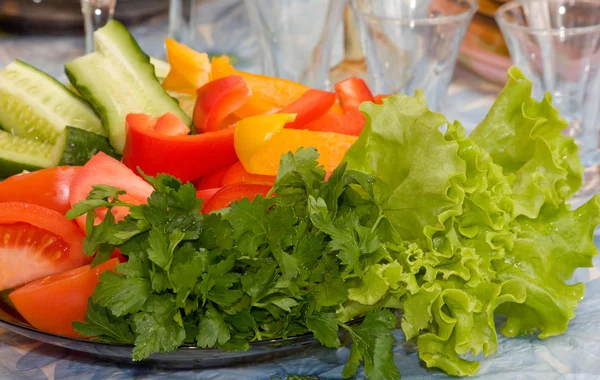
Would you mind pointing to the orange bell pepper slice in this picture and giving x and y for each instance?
(189, 71)
(261, 140)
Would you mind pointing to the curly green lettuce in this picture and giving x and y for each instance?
(483, 220)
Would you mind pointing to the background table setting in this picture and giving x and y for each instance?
(460, 64)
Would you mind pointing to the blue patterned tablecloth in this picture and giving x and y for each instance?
(575, 355)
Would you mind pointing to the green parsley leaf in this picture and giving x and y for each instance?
(325, 328)
(101, 324)
(213, 329)
(122, 295)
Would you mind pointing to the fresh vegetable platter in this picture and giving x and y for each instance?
(165, 205)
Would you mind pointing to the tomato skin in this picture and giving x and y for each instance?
(184, 157)
(37, 242)
(170, 124)
(227, 195)
(311, 105)
(237, 174)
(48, 188)
(352, 92)
(53, 303)
(105, 170)
(218, 99)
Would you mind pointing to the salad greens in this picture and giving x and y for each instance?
(449, 229)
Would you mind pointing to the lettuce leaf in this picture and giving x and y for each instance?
(482, 220)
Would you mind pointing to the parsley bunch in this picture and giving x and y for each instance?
(309, 258)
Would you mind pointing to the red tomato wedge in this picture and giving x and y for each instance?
(227, 195)
(171, 125)
(311, 105)
(48, 188)
(237, 174)
(212, 180)
(36, 242)
(105, 170)
(184, 157)
(218, 99)
(352, 92)
(53, 303)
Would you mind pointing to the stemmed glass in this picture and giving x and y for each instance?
(96, 13)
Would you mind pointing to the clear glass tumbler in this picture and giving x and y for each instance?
(296, 37)
(413, 44)
(557, 45)
(96, 13)
(215, 27)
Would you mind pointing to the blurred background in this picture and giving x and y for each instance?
(47, 33)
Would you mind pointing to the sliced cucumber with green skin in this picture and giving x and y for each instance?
(37, 106)
(118, 79)
(19, 153)
(80, 146)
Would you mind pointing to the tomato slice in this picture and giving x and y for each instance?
(311, 105)
(227, 195)
(184, 157)
(218, 99)
(53, 303)
(352, 92)
(238, 174)
(105, 170)
(48, 188)
(36, 242)
(171, 125)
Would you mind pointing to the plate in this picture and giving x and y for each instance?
(183, 358)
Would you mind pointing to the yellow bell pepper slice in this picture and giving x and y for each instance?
(189, 71)
(261, 140)
(252, 133)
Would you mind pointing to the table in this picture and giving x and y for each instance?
(575, 355)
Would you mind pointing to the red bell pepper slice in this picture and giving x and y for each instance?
(217, 100)
(312, 105)
(229, 194)
(238, 174)
(185, 157)
(350, 123)
(171, 125)
(212, 180)
(352, 92)
(378, 99)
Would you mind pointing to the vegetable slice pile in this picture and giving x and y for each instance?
(452, 230)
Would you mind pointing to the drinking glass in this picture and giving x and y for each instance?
(215, 27)
(96, 13)
(412, 44)
(557, 45)
(296, 37)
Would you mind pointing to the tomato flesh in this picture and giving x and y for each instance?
(53, 303)
(36, 242)
(48, 188)
(105, 170)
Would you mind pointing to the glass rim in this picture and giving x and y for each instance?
(503, 9)
(457, 19)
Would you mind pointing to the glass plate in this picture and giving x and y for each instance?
(183, 358)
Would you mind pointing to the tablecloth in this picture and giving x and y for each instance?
(574, 355)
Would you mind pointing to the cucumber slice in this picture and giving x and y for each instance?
(18, 154)
(118, 79)
(36, 106)
(80, 146)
